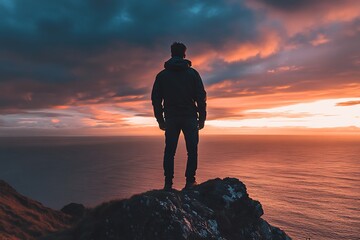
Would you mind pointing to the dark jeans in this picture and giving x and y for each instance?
(189, 127)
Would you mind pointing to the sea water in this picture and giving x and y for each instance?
(309, 186)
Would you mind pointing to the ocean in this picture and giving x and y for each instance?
(309, 186)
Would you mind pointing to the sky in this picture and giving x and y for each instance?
(268, 66)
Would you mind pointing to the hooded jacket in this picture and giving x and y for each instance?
(178, 91)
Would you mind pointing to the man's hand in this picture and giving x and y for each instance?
(162, 126)
(201, 125)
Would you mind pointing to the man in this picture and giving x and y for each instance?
(179, 102)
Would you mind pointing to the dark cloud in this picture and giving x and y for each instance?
(55, 53)
(288, 4)
(301, 5)
(51, 114)
(48, 28)
(46, 114)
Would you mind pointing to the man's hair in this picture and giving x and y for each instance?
(178, 49)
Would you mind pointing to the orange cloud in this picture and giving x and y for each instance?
(55, 120)
(61, 107)
(202, 61)
(284, 69)
(276, 98)
(349, 103)
(234, 51)
(242, 51)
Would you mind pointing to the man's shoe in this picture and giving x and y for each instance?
(190, 185)
(167, 186)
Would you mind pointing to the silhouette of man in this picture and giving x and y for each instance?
(179, 101)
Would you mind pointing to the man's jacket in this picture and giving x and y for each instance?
(178, 91)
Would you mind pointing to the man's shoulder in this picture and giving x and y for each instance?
(194, 70)
(165, 72)
(194, 73)
(161, 73)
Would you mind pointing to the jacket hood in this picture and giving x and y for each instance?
(177, 64)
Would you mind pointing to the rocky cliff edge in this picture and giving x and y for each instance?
(215, 209)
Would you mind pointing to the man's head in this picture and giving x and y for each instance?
(178, 50)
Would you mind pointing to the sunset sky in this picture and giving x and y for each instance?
(269, 66)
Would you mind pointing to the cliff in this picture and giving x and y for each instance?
(23, 218)
(216, 209)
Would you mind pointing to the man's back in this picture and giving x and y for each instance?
(179, 101)
(180, 88)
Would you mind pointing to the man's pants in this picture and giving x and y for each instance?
(189, 127)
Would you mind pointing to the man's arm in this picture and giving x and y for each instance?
(157, 99)
(200, 98)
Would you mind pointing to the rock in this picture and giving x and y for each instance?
(74, 209)
(216, 209)
(24, 218)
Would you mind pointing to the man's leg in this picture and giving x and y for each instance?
(172, 133)
(191, 134)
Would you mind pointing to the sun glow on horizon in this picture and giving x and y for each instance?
(327, 113)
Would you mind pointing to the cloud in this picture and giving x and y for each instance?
(75, 57)
(89, 51)
(348, 103)
(317, 114)
(295, 5)
(330, 65)
(320, 39)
